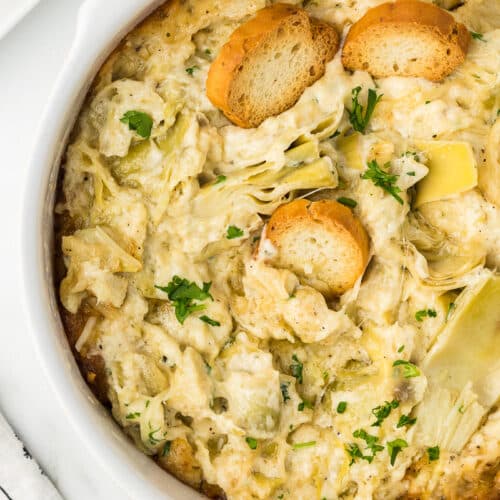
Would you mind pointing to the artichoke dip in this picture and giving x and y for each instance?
(233, 373)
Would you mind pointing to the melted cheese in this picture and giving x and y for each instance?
(256, 389)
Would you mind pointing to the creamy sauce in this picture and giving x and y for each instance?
(277, 355)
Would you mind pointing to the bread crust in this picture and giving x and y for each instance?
(407, 15)
(246, 39)
(335, 218)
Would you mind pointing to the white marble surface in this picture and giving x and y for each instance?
(30, 58)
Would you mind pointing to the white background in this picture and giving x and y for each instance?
(30, 58)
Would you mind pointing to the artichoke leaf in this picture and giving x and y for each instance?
(489, 174)
(463, 368)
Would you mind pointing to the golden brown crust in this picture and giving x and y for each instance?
(180, 461)
(336, 219)
(478, 484)
(423, 19)
(245, 41)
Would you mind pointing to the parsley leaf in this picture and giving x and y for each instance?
(252, 443)
(371, 444)
(409, 369)
(449, 312)
(401, 348)
(296, 369)
(152, 440)
(358, 117)
(299, 446)
(210, 321)
(190, 71)
(405, 420)
(220, 179)
(420, 315)
(383, 180)
(234, 232)
(342, 407)
(394, 447)
(141, 122)
(182, 293)
(284, 392)
(166, 448)
(348, 202)
(383, 411)
(132, 416)
(433, 453)
(477, 36)
(304, 404)
(354, 452)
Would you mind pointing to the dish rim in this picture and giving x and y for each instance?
(99, 30)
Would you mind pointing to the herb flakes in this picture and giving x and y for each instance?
(358, 116)
(383, 179)
(182, 293)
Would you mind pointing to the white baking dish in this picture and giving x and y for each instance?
(101, 25)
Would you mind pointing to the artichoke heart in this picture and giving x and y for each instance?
(452, 170)
(463, 369)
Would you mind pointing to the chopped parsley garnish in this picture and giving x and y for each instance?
(358, 116)
(210, 321)
(411, 174)
(132, 416)
(305, 404)
(451, 308)
(220, 179)
(354, 452)
(252, 443)
(383, 411)
(296, 369)
(208, 368)
(190, 71)
(420, 315)
(342, 407)
(299, 446)
(415, 155)
(433, 453)
(166, 448)
(405, 420)
(461, 409)
(208, 52)
(371, 444)
(394, 447)
(284, 391)
(477, 36)
(348, 202)
(138, 121)
(382, 179)
(409, 369)
(234, 232)
(151, 438)
(183, 293)
(401, 348)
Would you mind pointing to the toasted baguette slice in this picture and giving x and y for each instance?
(268, 62)
(322, 242)
(406, 38)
